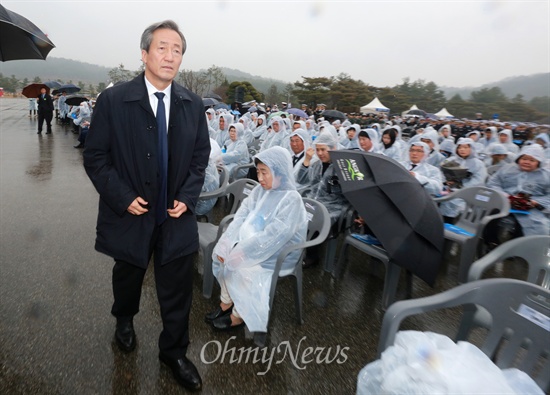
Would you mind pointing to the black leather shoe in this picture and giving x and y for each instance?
(223, 323)
(217, 313)
(39, 132)
(125, 335)
(184, 372)
(49, 132)
(309, 262)
(79, 145)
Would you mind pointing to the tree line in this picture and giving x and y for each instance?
(341, 92)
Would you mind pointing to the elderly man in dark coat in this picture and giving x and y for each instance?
(146, 154)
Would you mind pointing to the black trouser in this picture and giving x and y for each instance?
(45, 116)
(174, 284)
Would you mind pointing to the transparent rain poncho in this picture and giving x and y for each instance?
(236, 152)
(435, 157)
(211, 179)
(428, 176)
(511, 180)
(223, 134)
(267, 222)
(275, 138)
(478, 176)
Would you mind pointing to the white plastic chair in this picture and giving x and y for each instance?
(519, 336)
(482, 206)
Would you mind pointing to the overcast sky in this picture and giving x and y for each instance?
(453, 43)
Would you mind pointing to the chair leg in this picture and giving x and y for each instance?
(338, 270)
(466, 322)
(298, 297)
(208, 276)
(391, 280)
(467, 257)
(330, 254)
(260, 339)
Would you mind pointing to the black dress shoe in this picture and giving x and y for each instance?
(217, 313)
(125, 335)
(309, 262)
(223, 323)
(79, 145)
(184, 372)
(39, 132)
(49, 132)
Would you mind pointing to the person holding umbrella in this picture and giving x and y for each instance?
(322, 178)
(428, 176)
(45, 111)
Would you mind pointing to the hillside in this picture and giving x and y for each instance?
(535, 85)
(530, 86)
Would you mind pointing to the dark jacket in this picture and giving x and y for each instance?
(45, 104)
(121, 160)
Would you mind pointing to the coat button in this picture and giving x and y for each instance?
(148, 155)
(147, 182)
(149, 127)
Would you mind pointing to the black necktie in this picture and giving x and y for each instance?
(162, 204)
(412, 167)
(296, 158)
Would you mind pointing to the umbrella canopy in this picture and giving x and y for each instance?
(395, 207)
(333, 114)
(208, 101)
(33, 90)
(69, 88)
(297, 112)
(75, 100)
(277, 114)
(417, 112)
(212, 95)
(52, 84)
(20, 38)
(222, 105)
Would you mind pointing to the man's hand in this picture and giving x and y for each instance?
(178, 210)
(309, 155)
(138, 206)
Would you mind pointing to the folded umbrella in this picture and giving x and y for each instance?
(20, 38)
(396, 208)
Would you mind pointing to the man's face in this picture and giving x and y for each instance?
(365, 143)
(233, 133)
(222, 123)
(295, 126)
(163, 60)
(275, 126)
(464, 150)
(416, 154)
(296, 144)
(323, 152)
(209, 115)
(503, 137)
(43, 91)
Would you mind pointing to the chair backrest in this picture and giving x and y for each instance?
(240, 189)
(224, 176)
(318, 221)
(535, 250)
(519, 334)
(482, 205)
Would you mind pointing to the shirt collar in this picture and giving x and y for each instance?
(151, 90)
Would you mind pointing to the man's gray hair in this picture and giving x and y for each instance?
(147, 35)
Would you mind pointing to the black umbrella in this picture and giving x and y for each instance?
(396, 208)
(75, 100)
(213, 95)
(33, 90)
(208, 101)
(422, 113)
(333, 114)
(69, 88)
(52, 84)
(20, 38)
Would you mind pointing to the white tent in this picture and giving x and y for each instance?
(374, 107)
(443, 113)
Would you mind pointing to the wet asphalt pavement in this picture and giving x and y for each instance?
(56, 332)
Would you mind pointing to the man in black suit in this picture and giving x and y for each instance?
(45, 111)
(146, 154)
